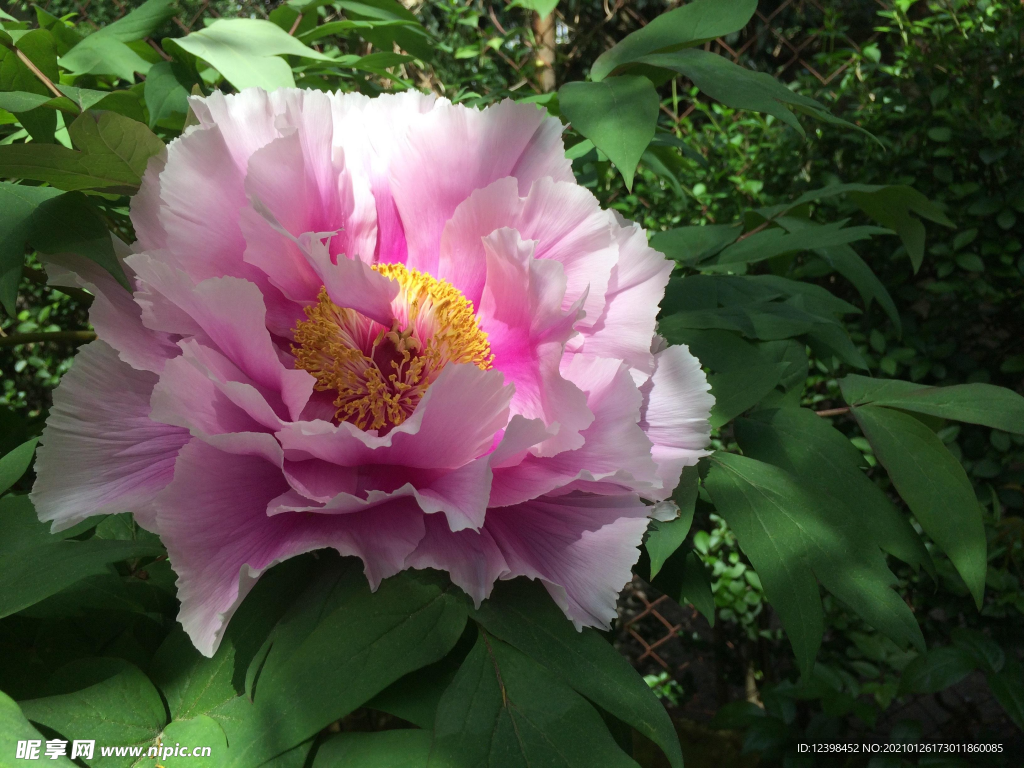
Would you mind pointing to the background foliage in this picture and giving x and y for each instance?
(791, 288)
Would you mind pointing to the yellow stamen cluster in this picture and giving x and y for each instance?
(381, 373)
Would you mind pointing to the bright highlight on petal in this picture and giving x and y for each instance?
(462, 377)
(381, 373)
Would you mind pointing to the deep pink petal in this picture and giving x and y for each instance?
(471, 558)
(100, 453)
(219, 538)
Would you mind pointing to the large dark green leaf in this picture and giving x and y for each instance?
(18, 203)
(15, 728)
(741, 88)
(338, 647)
(692, 24)
(986, 404)
(690, 245)
(850, 265)
(39, 47)
(775, 241)
(664, 537)
(504, 710)
(125, 709)
(35, 564)
(522, 614)
(165, 91)
(738, 389)
(934, 485)
(1008, 687)
(809, 448)
(790, 531)
(14, 464)
(393, 749)
(618, 114)
(936, 670)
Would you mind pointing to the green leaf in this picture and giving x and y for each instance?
(737, 390)
(985, 404)
(619, 115)
(934, 485)
(413, 39)
(936, 670)
(35, 564)
(415, 697)
(15, 464)
(504, 710)
(199, 732)
(70, 224)
(22, 101)
(522, 614)
(113, 152)
(248, 52)
(104, 52)
(39, 47)
(692, 24)
(742, 88)
(850, 265)
(685, 579)
(1008, 688)
(332, 28)
(892, 207)
(541, 7)
(394, 749)
(690, 245)
(14, 728)
(805, 445)
(122, 710)
(165, 91)
(986, 653)
(789, 530)
(338, 647)
(776, 241)
(664, 538)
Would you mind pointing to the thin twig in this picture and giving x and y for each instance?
(75, 337)
(298, 20)
(32, 67)
(833, 412)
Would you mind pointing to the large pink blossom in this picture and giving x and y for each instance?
(395, 327)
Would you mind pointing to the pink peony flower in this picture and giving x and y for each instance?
(395, 327)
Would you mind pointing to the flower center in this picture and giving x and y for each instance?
(380, 373)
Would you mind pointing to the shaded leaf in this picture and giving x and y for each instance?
(522, 614)
(14, 464)
(934, 485)
(506, 711)
(14, 727)
(664, 538)
(936, 670)
(394, 749)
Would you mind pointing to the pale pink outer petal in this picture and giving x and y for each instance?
(635, 290)
(615, 450)
(145, 207)
(564, 219)
(114, 313)
(212, 518)
(100, 453)
(581, 547)
(521, 313)
(453, 151)
(677, 406)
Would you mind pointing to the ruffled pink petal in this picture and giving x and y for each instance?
(100, 453)
(247, 120)
(351, 282)
(145, 207)
(615, 450)
(521, 313)
(220, 540)
(228, 314)
(564, 219)
(454, 423)
(453, 151)
(471, 558)
(635, 290)
(114, 314)
(677, 406)
(581, 547)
